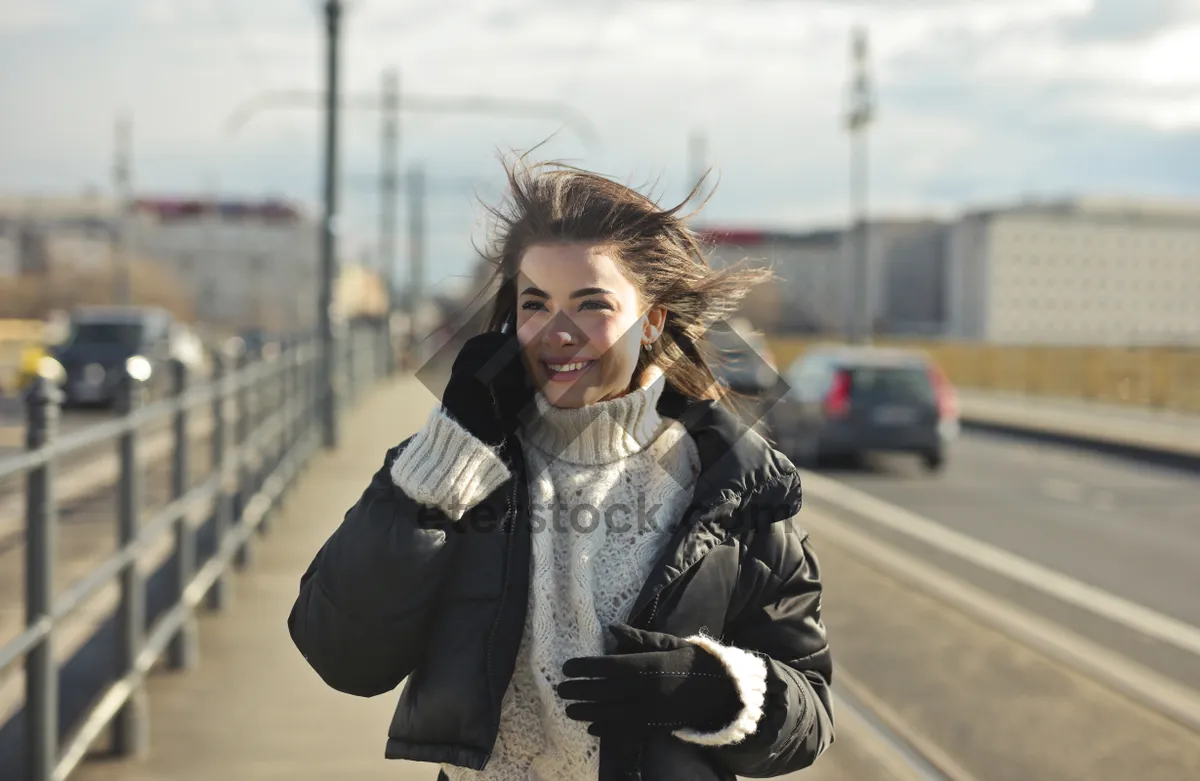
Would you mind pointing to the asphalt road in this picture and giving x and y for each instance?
(1128, 528)
(995, 708)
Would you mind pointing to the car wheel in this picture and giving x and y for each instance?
(933, 460)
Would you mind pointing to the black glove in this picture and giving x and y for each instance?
(489, 387)
(654, 682)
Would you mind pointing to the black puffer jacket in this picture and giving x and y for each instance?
(400, 592)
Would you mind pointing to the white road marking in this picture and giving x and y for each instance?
(1095, 600)
(1063, 490)
(1168, 697)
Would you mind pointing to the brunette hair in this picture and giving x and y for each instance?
(555, 202)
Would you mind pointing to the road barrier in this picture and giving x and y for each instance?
(266, 426)
(1156, 377)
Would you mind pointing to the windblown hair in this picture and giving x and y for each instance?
(554, 202)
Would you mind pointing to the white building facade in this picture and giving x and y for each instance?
(245, 263)
(1076, 272)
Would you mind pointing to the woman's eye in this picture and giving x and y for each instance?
(531, 305)
(597, 305)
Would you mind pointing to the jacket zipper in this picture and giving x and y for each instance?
(652, 606)
(505, 527)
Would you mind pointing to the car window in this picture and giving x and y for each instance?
(85, 334)
(903, 383)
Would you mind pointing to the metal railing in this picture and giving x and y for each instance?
(264, 429)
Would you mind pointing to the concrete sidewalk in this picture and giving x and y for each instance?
(254, 710)
(1138, 427)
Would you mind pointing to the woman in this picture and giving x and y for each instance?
(583, 565)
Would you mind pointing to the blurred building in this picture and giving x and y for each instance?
(248, 263)
(1078, 271)
(905, 265)
(242, 263)
(37, 231)
(1081, 271)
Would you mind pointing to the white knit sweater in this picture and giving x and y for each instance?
(607, 482)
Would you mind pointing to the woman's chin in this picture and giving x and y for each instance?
(565, 397)
(568, 395)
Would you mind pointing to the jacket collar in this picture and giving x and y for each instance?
(742, 478)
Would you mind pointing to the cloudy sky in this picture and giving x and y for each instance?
(980, 101)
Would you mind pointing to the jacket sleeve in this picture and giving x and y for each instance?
(362, 616)
(780, 621)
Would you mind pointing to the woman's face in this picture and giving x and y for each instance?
(580, 322)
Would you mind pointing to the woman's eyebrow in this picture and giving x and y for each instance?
(591, 291)
(586, 291)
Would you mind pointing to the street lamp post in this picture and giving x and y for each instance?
(328, 258)
(388, 182)
(860, 115)
(122, 191)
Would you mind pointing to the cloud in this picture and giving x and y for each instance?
(22, 17)
(978, 99)
(1122, 20)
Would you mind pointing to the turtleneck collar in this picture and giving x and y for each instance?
(598, 433)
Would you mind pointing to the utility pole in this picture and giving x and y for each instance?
(388, 181)
(330, 101)
(389, 175)
(204, 274)
(122, 197)
(697, 160)
(416, 250)
(329, 227)
(860, 115)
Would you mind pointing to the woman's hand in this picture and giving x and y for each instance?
(654, 682)
(489, 387)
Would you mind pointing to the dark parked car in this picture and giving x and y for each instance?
(845, 401)
(745, 365)
(105, 343)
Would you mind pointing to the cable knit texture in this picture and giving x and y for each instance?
(445, 466)
(606, 484)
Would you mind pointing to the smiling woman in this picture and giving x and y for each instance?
(581, 323)
(593, 271)
(687, 644)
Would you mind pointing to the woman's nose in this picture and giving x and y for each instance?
(560, 336)
(561, 331)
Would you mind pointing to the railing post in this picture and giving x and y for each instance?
(242, 558)
(296, 383)
(387, 358)
(131, 725)
(384, 340)
(218, 595)
(267, 403)
(283, 400)
(389, 347)
(314, 385)
(351, 367)
(41, 516)
(185, 648)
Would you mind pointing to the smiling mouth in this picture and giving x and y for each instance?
(566, 371)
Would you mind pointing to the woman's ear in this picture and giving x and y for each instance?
(652, 325)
